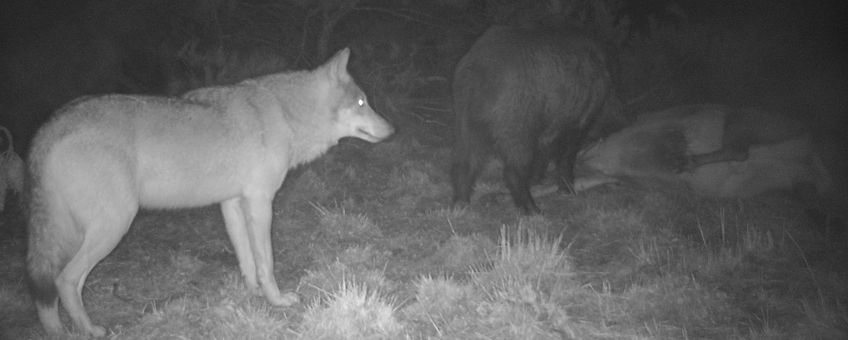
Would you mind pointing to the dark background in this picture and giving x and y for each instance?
(784, 55)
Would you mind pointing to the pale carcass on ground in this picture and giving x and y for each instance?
(721, 151)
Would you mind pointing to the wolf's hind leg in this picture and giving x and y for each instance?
(102, 200)
(258, 212)
(234, 219)
(100, 239)
(105, 220)
(69, 284)
(49, 316)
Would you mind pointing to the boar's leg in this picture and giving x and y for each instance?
(518, 159)
(566, 147)
(468, 159)
(540, 166)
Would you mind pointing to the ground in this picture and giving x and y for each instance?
(634, 261)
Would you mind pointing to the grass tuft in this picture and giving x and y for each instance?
(351, 312)
(319, 283)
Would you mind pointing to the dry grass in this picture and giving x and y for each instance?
(351, 312)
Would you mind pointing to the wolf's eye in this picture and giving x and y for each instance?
(361, 102)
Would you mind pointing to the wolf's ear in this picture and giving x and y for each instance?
(337, 66)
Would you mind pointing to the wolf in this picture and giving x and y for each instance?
(100, 159)
(11, 168)
(530, 96)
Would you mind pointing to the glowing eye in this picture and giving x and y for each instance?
(361, 102)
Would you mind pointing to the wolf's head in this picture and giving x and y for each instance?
(352, 116)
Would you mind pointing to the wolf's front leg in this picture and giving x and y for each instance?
(235, 220)
(258, 213)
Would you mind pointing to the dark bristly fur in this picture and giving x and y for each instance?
(530, 96)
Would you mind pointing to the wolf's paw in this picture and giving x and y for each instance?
(96, 331)
(285, 299)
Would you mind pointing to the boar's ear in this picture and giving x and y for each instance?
(337, 65)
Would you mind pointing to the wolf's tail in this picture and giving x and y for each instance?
(52, 237)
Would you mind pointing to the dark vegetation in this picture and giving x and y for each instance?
(365, 234)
